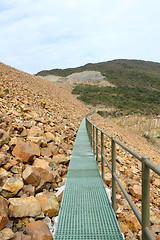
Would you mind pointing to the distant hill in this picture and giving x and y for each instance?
(119, 72)
(137, 86)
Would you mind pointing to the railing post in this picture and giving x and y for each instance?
(93, 140)
(97, 145)
(113, 171)
(145, 197)
(91, 135)
(102, 152)
(87, 124)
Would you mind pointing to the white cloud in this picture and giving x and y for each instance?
(39, 34)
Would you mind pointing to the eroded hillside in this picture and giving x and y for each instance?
(38, 124)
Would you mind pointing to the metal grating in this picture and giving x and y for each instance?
(86, 212)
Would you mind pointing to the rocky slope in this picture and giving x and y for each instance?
(38, 124)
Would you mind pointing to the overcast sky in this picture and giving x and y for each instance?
(47, 34)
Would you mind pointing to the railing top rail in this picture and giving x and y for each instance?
(150, 164)
(138, 156)
(97, 127)
(118, 142)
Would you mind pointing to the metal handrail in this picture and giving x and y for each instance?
(144, 218)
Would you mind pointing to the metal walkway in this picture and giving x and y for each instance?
(86, 212)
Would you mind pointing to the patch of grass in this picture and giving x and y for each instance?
(126, 99)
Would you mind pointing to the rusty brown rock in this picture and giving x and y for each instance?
(157, 182)
(9, 164)
(12, 186)
(21, 236)
(35, 132)
(61, 159)
(4, 137)
(49, 204)
(31, 176)
(3, 213)
(38, 231)
(3, 176)
(107, 178)
(45, 171)
(26, 150)
(29, 190)
(47, 151)
(3, 159)
(49, 136)
(6, 234)
(136, 191)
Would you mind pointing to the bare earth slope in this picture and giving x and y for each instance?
(38, 124)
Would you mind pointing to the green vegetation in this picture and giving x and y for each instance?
(127, 100)
(130, 73)
(137, 91)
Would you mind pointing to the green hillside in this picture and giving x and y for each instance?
(137, 91)
(119, 72)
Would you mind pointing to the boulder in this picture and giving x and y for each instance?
(31, 176)
(29, 190)
(3, 213)
(136, 191)
(9, 164)
(44, 169)
(49, 204)
(131, 222)
(12, 186)
(35, 132)
(108, 178)
(50, 137)
(47, 151)
(21, 236)
(13, 142)
(38, 231)
(24, 207)
(3, 176)
(26, 150)
(16, 169)
(6, 234)
(41, 141)
(3, 159)
(61, 159)
(4, 137)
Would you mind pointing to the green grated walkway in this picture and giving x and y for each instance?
(86, 212)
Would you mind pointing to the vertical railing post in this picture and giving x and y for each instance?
(97, 145)
(93, 139)
(102, 152)
(113, 172)
(87, 124)
(91, 135)
(145, 197)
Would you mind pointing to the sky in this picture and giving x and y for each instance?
(47, 34)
